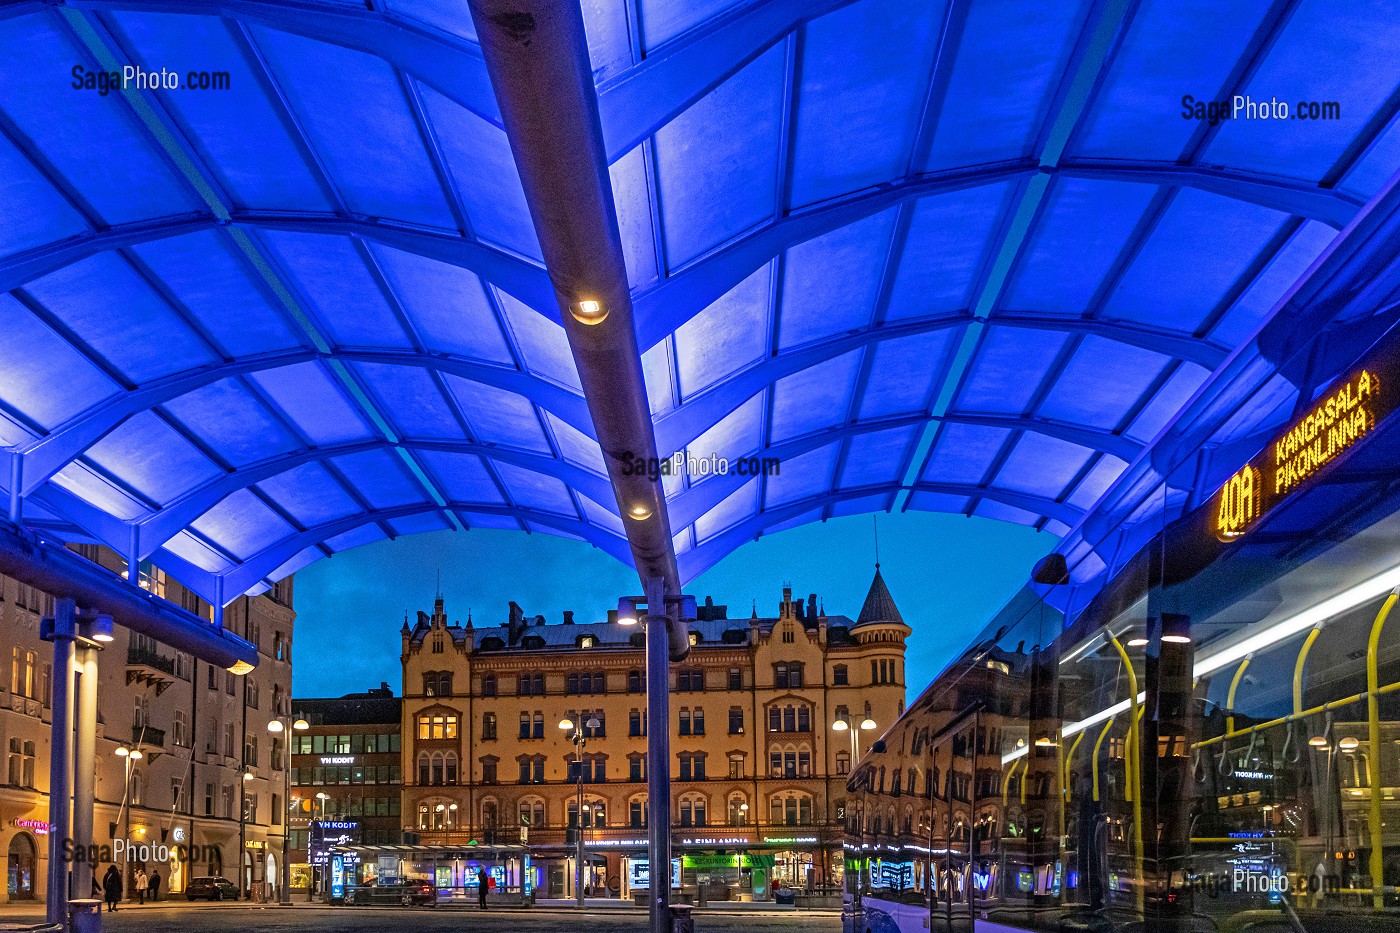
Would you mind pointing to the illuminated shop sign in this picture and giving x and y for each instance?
(1342, 417)
(37, 827)
(337, 759)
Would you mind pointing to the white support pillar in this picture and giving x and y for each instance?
(85, 765)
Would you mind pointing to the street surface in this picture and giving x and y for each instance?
(257, 919)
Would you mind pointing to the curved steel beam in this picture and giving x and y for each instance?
(524, 280)
(67, 442)
(700, 558)
(1331, 206)
(647, 96)
(451, 64)
(690, 289)
(159, 527)
(693, 502)
(681, 425)
(1082, 435)
(1181, 346)
(255, 568)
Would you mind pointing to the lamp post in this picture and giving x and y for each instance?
(127, 755)
(845, 725)
(286, 726)
(317, 802)
(579, 740)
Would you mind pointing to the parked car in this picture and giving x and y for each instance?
(420, 894)
(212, 888)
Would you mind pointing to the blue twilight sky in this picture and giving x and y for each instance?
(948, 575)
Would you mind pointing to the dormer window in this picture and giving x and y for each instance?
(590, 641)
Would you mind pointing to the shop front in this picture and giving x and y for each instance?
(399, 873)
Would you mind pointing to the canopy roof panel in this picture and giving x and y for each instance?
(934, 256)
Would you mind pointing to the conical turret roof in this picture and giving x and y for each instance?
(879, 604)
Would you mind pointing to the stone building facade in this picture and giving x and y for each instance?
(758, 772)
(199, 729)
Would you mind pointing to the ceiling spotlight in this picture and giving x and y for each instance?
(240, 668)
(641, 511)
(626, 612)
(1349, 743)
(589, 311)
(1177, 639)
(1044, 741)
(101, 629)
(1318, 741)
(1137, 641)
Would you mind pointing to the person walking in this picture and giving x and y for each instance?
(112, 887)
(154, 884)
(141, 883)
(481, 885)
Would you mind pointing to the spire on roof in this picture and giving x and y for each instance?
(879, 604)
(755, 610)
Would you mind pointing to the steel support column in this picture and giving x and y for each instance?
(65, 630)
(537, 56)
(84, 773)
(658, 623)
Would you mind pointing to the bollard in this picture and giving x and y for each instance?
(85, 915)
(681, 920)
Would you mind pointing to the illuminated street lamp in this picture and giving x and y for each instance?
(845, 725)
(580, 740)
(285, 725)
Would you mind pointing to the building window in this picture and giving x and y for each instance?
(637, 813)
(532, 769)
(787, 676)
(636, 683)
(789, 719)
(636, 723)
(738, 810)
(587, 641)
(736, 679)
(21, 763)
(488, 770)
(437, 726)
(843, 762)
(736, 720)
(839, 676)
(693, 810)
(488, 685)
(437, 683)
(488, 727)
(636, 768)
(790, 810)
(180, 728)
(281, 647)
(788, 635)
(530, 685)
(532, 813)
(736, 767)
(690, 680)
(692, 766)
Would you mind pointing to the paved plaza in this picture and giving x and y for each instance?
(260, 919)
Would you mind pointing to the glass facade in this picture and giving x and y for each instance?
(1211, 741)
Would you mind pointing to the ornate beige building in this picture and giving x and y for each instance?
(758, 772)
(199, 730)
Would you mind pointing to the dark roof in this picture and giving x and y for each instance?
(349, 711)
(879, 604)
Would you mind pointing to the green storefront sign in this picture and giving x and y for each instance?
(708, 861)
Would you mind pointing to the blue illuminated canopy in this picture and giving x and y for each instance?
(973, 257)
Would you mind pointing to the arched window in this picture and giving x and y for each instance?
(595, 812)
(637, 812)
(693, 810)
(532, 812)
(738, 810)
(424, 769)
(790, 809)
(790, 761)
(450, 769)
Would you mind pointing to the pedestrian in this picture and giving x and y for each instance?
(141, 883)
(154, 884)
(481, 883)
(112, 887)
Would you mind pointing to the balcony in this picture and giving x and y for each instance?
(148, 667)
(147, 736)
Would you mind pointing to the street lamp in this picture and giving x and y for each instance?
(127, 755)
(844, 725)
(579, 740)
(285, 725)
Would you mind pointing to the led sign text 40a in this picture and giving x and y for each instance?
(1341, 418)
(1239, 502)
